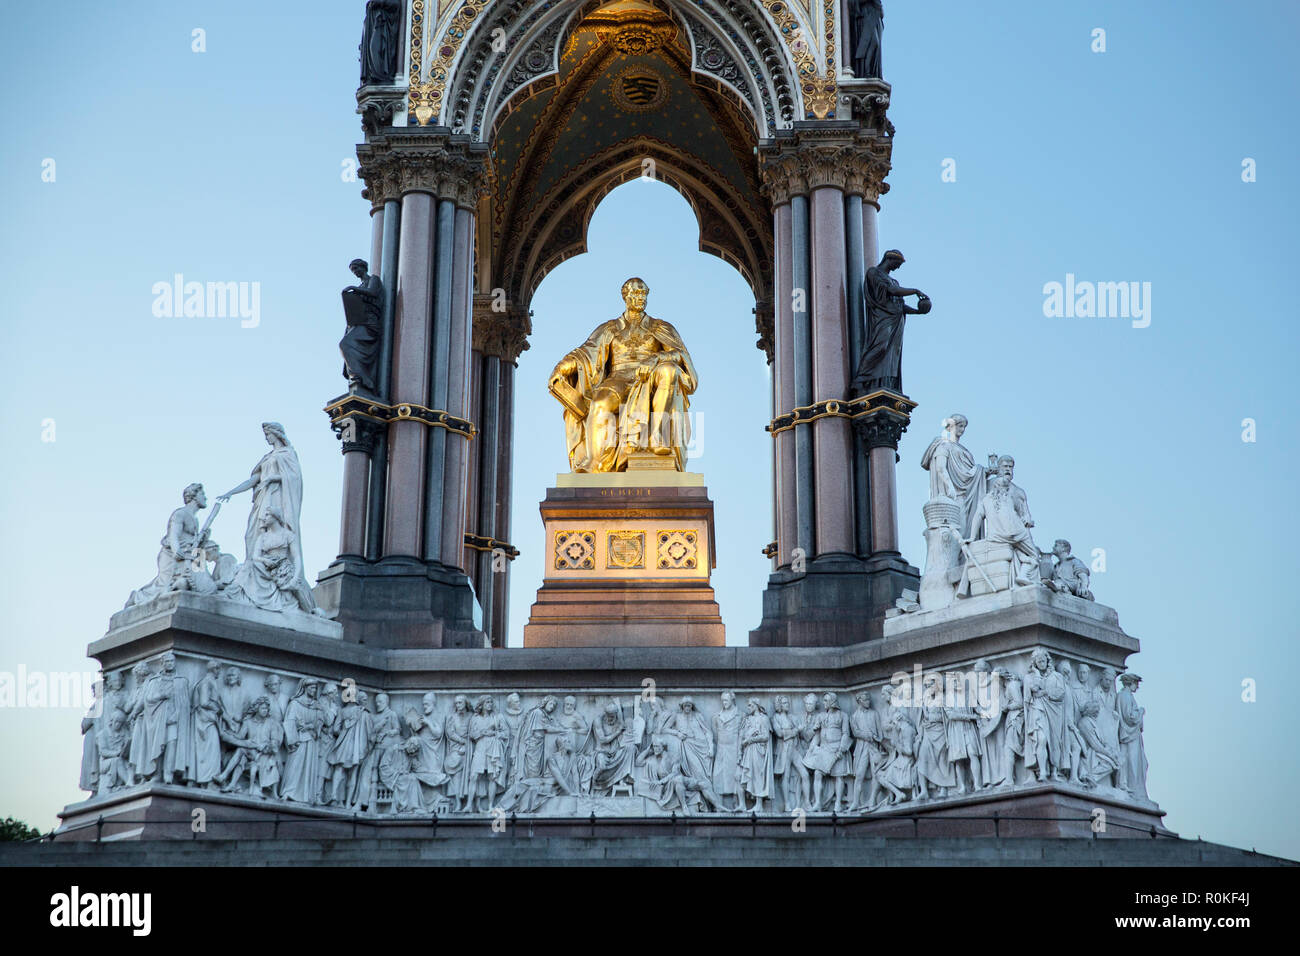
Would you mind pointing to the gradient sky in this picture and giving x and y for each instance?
(1120, 166)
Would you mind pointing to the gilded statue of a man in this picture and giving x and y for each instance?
(625, 390)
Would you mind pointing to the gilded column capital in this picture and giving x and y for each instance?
(503, 333)
(429, 161)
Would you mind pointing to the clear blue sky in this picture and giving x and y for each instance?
(1117, 166)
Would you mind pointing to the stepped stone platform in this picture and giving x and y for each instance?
(817, 847)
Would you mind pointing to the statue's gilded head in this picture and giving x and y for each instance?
(635, 292)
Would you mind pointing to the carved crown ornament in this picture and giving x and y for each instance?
(437, 164)
(503, 334)
(637, 31)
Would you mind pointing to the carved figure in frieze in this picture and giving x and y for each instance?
(108, 698)
(788, 761)
(1013, 731)
(899, 776)
(933, 766)
(1100, 761)
(615, 754)
(137, 749)
(726, 734)
(965, 746)
(353, 730)
(868, 749)
(385, 736)
(397, 770)
(513, 715)
(233, 700)
(256, 750)
(112, 744)
(162, 736)
(582, 765)
(696, 740)
(329, 707)
(537, 734)
(455, 761)
(828, 752)
(1074, 746)
(1107, 721)
(206, 719)
(673, 783)
(1044, 717)
(1133, 758)
(302, 727)
(426, 730)
(488, 736)
(988, 712)
(754, 767)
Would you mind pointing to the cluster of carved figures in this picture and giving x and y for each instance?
(327, 747)
(271, 577)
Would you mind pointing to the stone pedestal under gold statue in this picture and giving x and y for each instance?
(629, 534)
(628, 559)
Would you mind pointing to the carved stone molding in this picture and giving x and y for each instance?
(882, 428)
(844, 157)
(378, 105)
(430, 161)
(500, 333)
(764, 324)
(867, 101)
(356, 433)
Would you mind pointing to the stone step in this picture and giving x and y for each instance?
(656, 850)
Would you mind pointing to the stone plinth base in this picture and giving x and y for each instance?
(837, 600)
(578, 616)
(401, 602)
(164, 812)
(628, 559)
(765, 846)
(196, 606)
(642, 692)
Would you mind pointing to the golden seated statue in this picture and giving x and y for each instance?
(625, 392)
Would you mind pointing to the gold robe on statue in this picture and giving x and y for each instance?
(651, 409)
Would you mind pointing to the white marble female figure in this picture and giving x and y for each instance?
(273, 577)
(206, 708)
(754, 767)
(302, 726)
(1133, 758)
(953, 472)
